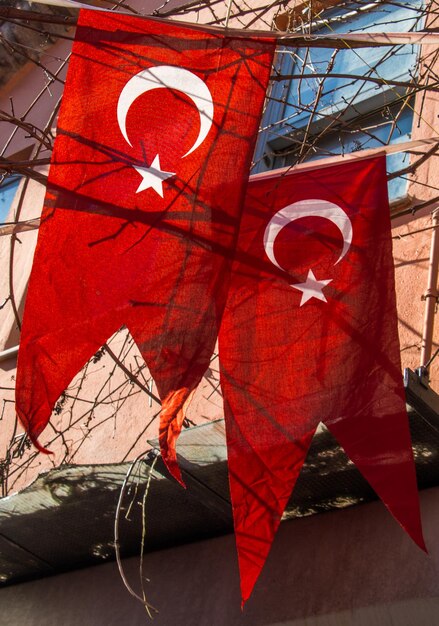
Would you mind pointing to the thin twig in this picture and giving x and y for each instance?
(130, 590)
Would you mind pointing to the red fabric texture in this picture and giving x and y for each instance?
(289, 361)
(110, 254)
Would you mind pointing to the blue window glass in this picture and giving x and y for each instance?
(380, 63)
(8, 190)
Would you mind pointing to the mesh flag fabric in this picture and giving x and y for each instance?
(309, 335)
(154, 141)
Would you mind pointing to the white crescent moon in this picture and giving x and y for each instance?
(168, 77)
(307, 208)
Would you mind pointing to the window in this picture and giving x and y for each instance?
(327, 106)
(8, 189)
(9, 333)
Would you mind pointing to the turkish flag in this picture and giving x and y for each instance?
(154, 142)
(309, 335)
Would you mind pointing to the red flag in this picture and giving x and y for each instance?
(309, 334)
(148, 174)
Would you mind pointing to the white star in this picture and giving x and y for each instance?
(312, 288)
(152, 177)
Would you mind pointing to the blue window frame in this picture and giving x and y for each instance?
(338, 114)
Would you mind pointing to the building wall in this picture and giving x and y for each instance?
(354, 567)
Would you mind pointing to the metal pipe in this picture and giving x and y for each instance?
(431, 295)
(9, 353)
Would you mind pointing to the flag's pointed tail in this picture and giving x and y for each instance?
(172, 415)
(47, 363)
(262, 476)
(381, 450)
